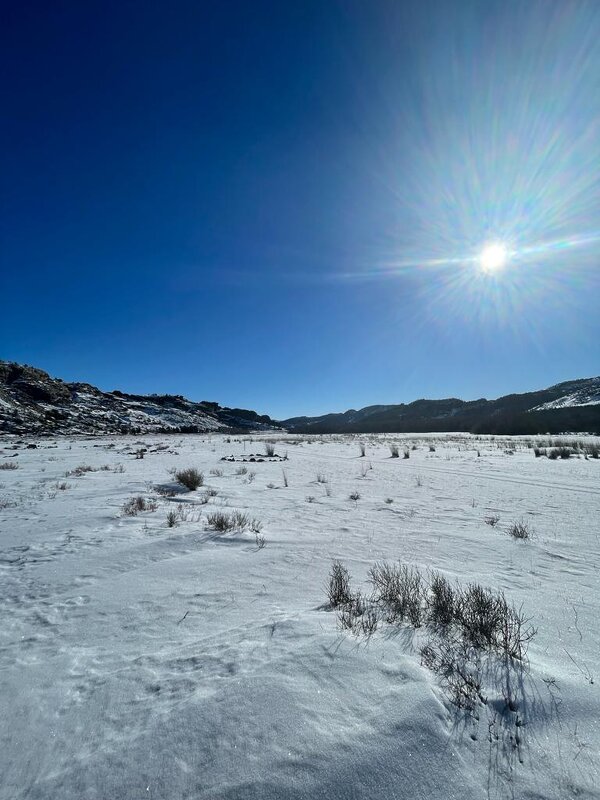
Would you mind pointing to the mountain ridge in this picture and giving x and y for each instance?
(566, 406)
(33, 402)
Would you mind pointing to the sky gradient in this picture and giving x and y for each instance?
(279, 206)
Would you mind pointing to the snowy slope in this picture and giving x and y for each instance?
(574, 395)
(33, 402)
(142, 661)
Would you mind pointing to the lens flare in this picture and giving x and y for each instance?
(493, 257)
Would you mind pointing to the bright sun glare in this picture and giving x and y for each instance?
(493, 257)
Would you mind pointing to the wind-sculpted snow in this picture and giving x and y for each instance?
(140, 659)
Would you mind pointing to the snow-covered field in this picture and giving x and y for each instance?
(143, 661)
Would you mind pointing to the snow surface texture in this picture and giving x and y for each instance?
(143, 661)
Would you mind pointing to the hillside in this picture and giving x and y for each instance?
(33, 402)
(569, 406)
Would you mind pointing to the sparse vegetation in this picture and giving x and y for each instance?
(269, 449)
(483, 618)
(395, 451)
(77, 472)
(338, 589)
(354, 496)
(191, 478)
(8, 465)
(165, 491)
(224, 522)
(492, 520)
(171, 519)
(135, 505)
(519, 530)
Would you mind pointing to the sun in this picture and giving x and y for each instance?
(493, 257)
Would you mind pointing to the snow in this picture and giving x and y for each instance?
(141, 661)
(587, 394)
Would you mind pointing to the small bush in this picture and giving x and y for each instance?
(218, 473)
(9, 465)
(171, 519)
(222, 522)
(62, 486)
(442, 603)
(519, 530)
(191, 478)
(539, 451)
(362, 449)
(432, 448)
(354, 496)
(389, 500)
(406, 453)
(559, 452)
(241, 471)
(321, 478)
(134, 505)
(269, 449)
(480, 614)
(401, 589)
(492, 520)
(338, 589)
(211, 493)
(395, 451)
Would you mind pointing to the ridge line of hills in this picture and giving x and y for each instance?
(33, 402)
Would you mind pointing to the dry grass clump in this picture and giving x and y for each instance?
(77, 472)
(191, 478)
(224, 522)
(135, 505)
(338, 588)
(519, 530)
(473, 616)
(9, 465)
(560, 452)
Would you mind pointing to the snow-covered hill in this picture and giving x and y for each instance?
(576, 393)
(33, 402)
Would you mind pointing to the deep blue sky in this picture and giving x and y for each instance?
(276, 205)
